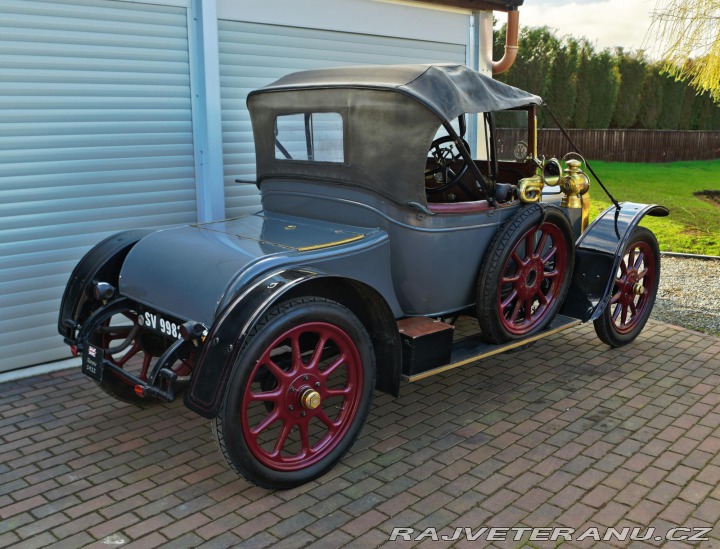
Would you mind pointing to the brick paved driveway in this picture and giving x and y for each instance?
(566, 433)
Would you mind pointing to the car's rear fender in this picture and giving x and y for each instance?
(598, 252)
(226, 337)
(101, 263)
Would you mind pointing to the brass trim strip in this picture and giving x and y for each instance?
(330, 244)
(497, 351)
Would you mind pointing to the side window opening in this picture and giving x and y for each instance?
(310, 137)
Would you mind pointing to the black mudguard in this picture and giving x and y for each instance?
(227, 335)
(598, 252)
(224, 341)
(101, 263)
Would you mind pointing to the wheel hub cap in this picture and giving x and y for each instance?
(310, 399)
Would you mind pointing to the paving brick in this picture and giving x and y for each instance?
(113, 526)
(532, 438)
(21, 506)
(231, 521)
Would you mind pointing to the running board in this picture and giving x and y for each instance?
(473, 348)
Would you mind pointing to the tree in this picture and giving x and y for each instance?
(673, 96)
(538, 47)
(604, 82)
(561, 87)
(582, 96)
(651, 99)
(690, 30)
(633, 71)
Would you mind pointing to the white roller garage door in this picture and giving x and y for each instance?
(96, 137)
(253, 55)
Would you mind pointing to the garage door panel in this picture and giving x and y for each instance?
(43, 75)
(253, 55)
(96, 138)
(175, 129)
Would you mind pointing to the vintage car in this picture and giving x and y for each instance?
(378, 229)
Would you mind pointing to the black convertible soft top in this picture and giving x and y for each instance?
(391, 115)
(448, 90)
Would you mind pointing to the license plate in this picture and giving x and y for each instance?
(92, 363)
(160, 324)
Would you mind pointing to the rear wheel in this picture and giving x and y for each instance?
(526, 274)
(634, 291)
(299, 394)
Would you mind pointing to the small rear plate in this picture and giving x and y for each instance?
(92, 362)
(160, 324)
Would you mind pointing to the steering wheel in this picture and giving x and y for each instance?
(446, 156)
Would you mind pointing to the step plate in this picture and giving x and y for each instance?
(473, 348)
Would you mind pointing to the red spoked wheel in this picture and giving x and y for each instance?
(524, 282)
(128, 346)
(299, 395)
(634, 291)
(532, 279)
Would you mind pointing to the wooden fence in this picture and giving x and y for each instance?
(623, 145)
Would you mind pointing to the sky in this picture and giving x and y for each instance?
(606, 23)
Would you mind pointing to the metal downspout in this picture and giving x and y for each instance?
(511, 44)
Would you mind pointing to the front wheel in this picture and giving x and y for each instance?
(299, 394)
(634, 291)
(525, 274)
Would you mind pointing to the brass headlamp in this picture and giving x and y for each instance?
(574, 184)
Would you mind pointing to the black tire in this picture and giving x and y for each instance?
(522, 281)
(626, 314)
(299, 445)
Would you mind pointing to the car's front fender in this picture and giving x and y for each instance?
(598, 252)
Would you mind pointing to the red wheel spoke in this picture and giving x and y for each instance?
(542, 298)
(541, 245)
(304, 437)
(265, 423)
(623, 268)
(528, 309)
(338, 392)
(334, 366)
(615, 298)
(296, 352)
(516, 258)
(623, 316)
(549, 255)
(282, 439)
(511, 279)
(633, 308)
(641, 274)
(131, 353)
(639, 260)
(551, 274)
(322, 416)
(616, 312)
(317, 353)
(631, 257)
(516, 310)
(529, 245)
(147, 359)
(266, 396)
(509, 299)
(275, 370)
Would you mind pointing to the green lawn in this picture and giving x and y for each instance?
(693, 225)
